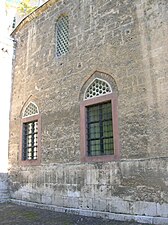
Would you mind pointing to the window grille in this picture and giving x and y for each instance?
(97, 88)
(30, 140)
(30, 133)
(62, 36)
(100, 129)
(30, 110)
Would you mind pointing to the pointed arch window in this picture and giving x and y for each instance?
(62, 35)
(30, 132)
(30, 110)
(97, 88)
(99, 126)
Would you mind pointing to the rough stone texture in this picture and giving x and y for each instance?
(4, 191)
(128, 41)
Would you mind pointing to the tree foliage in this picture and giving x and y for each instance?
(25, 7)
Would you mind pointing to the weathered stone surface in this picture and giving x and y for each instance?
(128, 41)
(4, 191)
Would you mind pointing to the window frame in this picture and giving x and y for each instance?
(31, 162)
(83, 128)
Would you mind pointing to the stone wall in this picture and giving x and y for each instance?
(4, 190)
(126, 40)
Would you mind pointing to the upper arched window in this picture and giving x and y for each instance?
(31, 110)
(62, 35)
(96, 88)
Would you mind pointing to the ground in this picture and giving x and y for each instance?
(11, 214)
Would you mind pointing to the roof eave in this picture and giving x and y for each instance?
(36, 13)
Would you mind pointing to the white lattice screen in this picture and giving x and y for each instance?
(98, 87)
(30, 110)
(62, 36)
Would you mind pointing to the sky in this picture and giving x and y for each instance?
(13, 1)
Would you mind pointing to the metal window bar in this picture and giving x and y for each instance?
(29, 148)
(99, 129)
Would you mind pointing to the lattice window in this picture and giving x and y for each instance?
(30, 110)
(97, 88)
(62, 36)
(30, 134)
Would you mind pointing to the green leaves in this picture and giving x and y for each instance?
(25, 7)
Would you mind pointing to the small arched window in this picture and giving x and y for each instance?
(30, 143)
(30, 110)
(62, 35)
(99, 126)
(97, 88)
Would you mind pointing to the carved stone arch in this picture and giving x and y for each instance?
(100, 76)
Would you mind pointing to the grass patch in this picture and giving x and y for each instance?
(30, 215)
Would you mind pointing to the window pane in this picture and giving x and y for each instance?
(94, 147)
(108, 146)
(106, 111)
(107, 129)
(94, 131)
(93, 113)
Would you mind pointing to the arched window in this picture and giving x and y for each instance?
(62, 35)
(30, 143)
(97, 88)
(30, 110)
(99, 126)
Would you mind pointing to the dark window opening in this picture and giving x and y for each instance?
(100, 129)
(30, 140)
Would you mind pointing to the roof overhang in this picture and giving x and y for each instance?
(36, 13)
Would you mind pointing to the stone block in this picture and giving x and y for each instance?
(144, 219)
(144, 208)
(71, 202)
(162, 210)
(160, 221)
(86, 203)
(117, 205)
(46, 199)
(99, 204)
